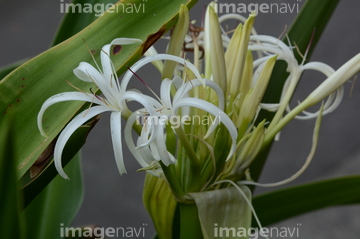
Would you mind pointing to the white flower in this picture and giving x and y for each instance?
(151, 144)
(273, 46)
(113, 100)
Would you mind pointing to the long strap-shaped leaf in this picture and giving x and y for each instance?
(12, 224)
(56, 206)
(286, 203)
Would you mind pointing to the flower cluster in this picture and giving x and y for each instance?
(151, 145)
(225, 83)
(229, 92)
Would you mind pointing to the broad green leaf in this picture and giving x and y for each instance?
(56, 206)
(286, 203)
(312, 19)
(223, 208)
(160, 203)
(12, 224)
(26, 88)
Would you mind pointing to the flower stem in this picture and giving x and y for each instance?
(189, 222)
(193, 184)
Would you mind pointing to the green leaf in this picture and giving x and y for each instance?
(312, 19)
(26, 88)
(286, 203)
(56, 206)
(160, 203)
(12, 224)
(223, 208)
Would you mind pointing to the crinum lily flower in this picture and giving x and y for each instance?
(113, 100)
(151, 145)
(273, 46)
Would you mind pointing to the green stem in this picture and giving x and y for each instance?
(170, 175)
(189, 222)
(193, 184)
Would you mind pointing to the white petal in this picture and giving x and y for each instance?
(142, 99)
(270, 107)
(105, 54)
(233, 16)
(115, 125)
(158, 64)
(66, 96)
(165, 91)
(334, 99)
(87, 72)
(161, 146)
(79, 120)
(150, 59)
(182, 91)
(148, 129)
(130, 142)
(153, 151)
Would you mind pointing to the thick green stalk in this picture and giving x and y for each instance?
(194, 162)
(171, 177)
(189, 222)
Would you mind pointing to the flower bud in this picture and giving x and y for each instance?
(250, 149)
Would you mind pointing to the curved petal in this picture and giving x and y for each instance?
(105, 55)
(150, 59)
(87, 72)
(165, 91)
(115, 125)
(234, 16)
(69, 130)
(148, 129)
(161, 146)
(270, 107)
(66, 96)
(333, 100)
(142, 99)
(130, 141)
(184, 89)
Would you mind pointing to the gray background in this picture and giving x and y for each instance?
(27, 28)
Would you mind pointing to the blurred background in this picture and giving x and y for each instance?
(111, 200)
